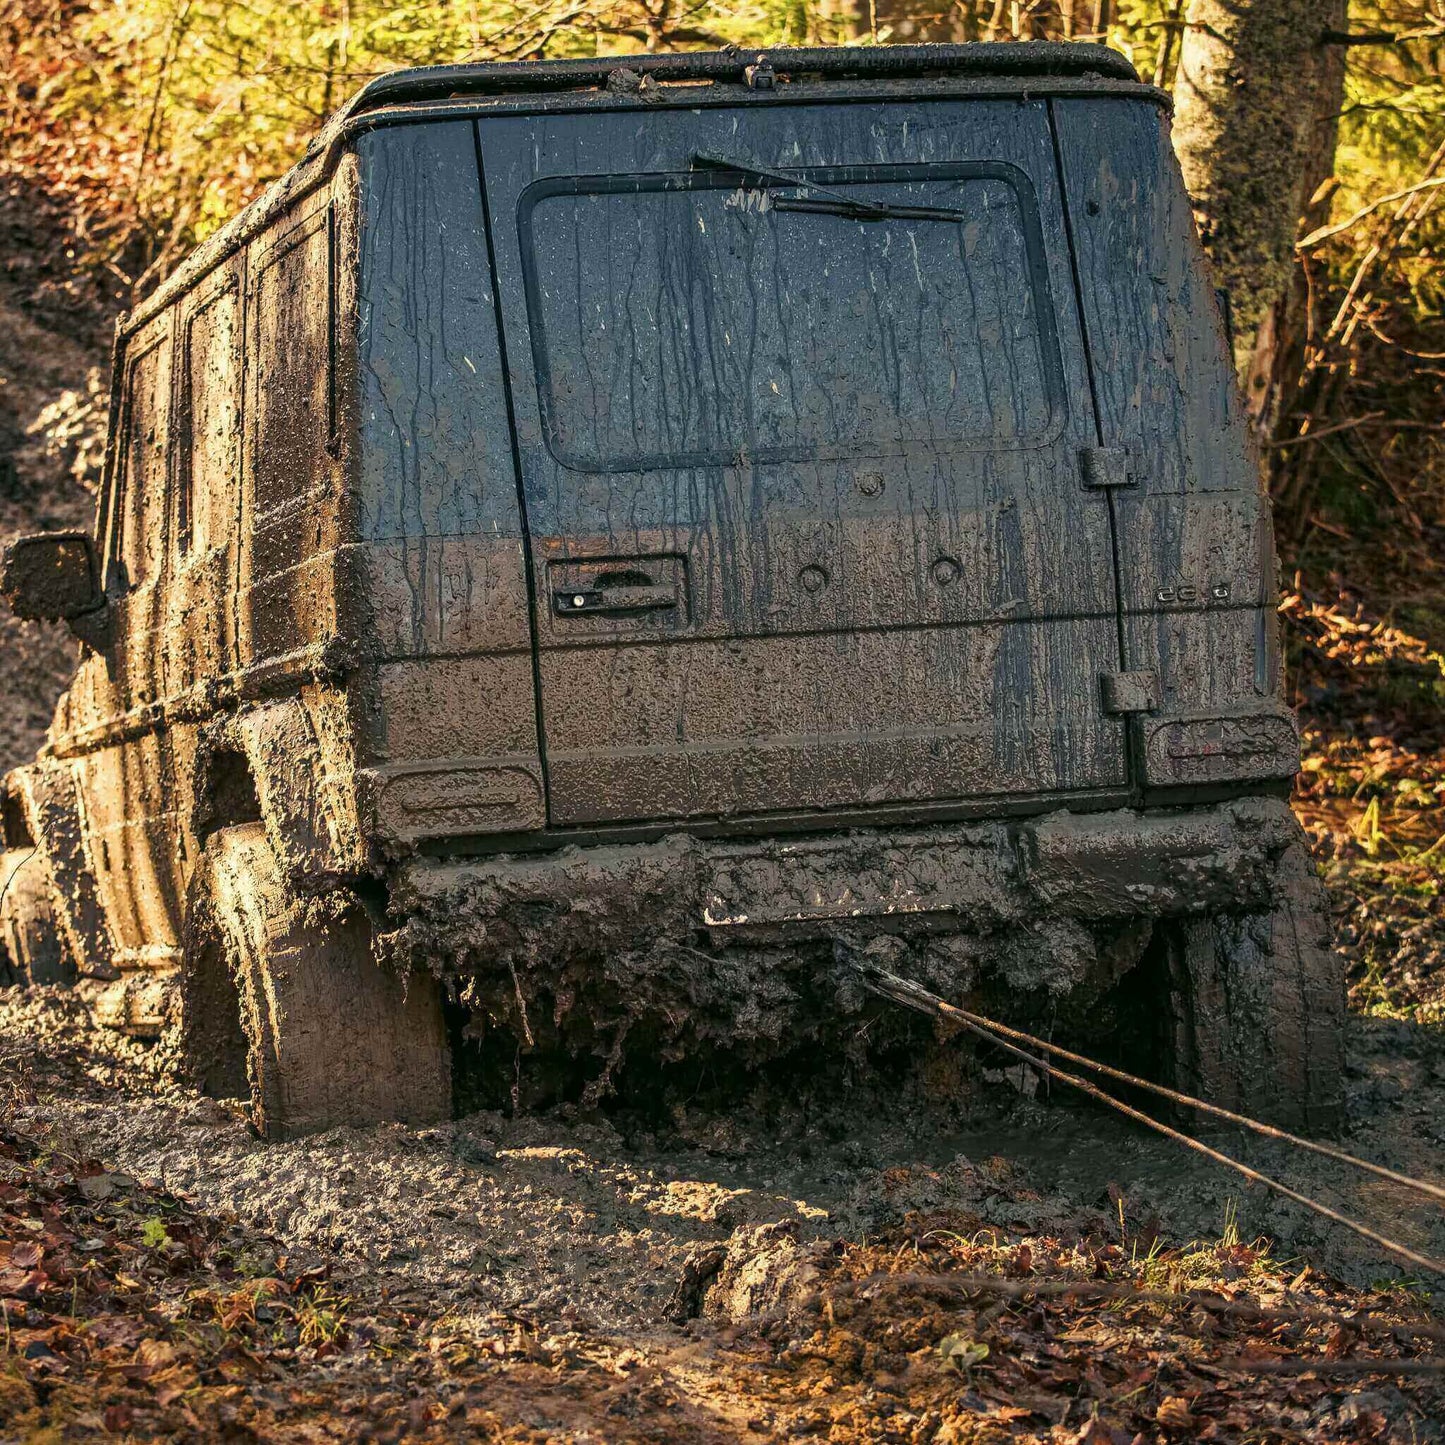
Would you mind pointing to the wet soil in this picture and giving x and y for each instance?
(833, 1272)
(129, 1313)
(576, 1216)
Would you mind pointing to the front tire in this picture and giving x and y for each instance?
(30, 940)
(329, 1036)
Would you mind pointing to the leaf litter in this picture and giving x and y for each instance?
(936, 1330)
(716, 1284)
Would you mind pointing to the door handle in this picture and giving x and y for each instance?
(590, 601)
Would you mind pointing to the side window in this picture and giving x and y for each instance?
(293, 422)
(210, 447)
(141, 513)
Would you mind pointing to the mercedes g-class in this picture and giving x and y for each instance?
(599, 536)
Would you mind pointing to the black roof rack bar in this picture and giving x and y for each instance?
(981, 58)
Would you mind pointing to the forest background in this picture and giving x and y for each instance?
(1312, 134)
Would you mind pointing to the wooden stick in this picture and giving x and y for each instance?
(1104, 1289)
(1329, 1367)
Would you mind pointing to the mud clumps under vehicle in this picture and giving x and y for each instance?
(577, 558)
(1192, 928)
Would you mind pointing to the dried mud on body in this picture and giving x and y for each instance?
(808, 1274)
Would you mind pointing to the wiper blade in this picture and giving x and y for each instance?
(705, 160)
(868, 210)
(828, 202)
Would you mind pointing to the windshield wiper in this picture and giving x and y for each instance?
(824, 199)
(867, 211)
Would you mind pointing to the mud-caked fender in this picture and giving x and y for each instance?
(305, 789)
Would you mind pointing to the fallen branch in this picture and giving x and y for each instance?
(1103, 1289)
(1331, 1367)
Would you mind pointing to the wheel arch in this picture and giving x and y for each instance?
(269, 765)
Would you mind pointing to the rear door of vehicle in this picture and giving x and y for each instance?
(801, 474)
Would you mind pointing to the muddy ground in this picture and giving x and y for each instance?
(551, 1248)
(592, 1219)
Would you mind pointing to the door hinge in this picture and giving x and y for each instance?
(1105, 467)
(1130, 692)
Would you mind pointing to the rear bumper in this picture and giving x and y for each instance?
(962, 878)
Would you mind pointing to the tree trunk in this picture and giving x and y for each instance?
(1257, 100)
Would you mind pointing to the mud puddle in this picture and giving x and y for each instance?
(582, 1219)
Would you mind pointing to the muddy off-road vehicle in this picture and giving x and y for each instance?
(600, 541)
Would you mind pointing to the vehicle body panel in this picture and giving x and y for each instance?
(347, 487)
(1196, 549)
(451, 739)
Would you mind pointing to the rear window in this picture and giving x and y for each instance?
(684, 320)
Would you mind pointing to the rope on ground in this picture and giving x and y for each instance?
(1269, 1131)
(914, 996)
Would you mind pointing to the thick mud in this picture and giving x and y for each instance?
(605, 1223)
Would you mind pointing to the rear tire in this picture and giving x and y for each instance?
(1259, 1005)
(30, 940)
(329, 1036)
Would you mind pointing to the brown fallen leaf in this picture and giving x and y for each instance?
(1174, 1413)
(171, 1384)
(153, 1356)
(1006, 1413)
(21, 1284)
(26, 1254)
(117, 1418)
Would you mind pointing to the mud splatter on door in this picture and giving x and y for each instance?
(799, 398)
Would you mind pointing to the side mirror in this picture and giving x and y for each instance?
(52, 577)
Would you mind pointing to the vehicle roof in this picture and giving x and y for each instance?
(682, 78)
(893, 62)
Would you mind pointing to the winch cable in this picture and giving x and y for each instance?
(914, 996)
(1269, 1131)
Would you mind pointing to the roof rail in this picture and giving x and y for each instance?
(981, 58)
